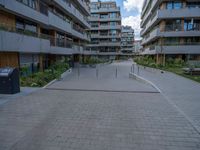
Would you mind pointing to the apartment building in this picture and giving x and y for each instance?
(171, 28)
(35, 33)
(105, 21)
(137, 46)
(127, 40)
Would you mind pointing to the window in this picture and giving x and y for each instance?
(30, 3)
(95, 15)
(173, 25)
(113, 32)
(23, 25)
(104, 23)
(169, 5)
(177, 5)
(19, 25)
(171, 41)
(94, 24)
(60, 39)
(173, 5)
(104, 16)
(191, 41)
(113, 23)
(193, 4)
(192, 25)
(113, 15)
(114, 40)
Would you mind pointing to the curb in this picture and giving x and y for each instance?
(62, 76)
(136, 77)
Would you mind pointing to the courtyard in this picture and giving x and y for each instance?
(103, 109)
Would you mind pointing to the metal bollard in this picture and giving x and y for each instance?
(138, 70)
(133, 68)
(116, 73)
(97, 73)
(78, 71)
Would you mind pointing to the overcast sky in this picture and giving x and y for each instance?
(130, 10)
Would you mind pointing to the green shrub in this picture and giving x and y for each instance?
(93, 60)
(40, 79)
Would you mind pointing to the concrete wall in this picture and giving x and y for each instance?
(14, 42)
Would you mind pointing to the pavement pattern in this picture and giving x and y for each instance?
(68, 116)
(183, 92)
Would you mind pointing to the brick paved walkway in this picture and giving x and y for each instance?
(52, 119)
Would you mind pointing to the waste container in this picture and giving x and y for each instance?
(9, 80)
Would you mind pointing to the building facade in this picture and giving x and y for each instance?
(105, 21)
(127, 40)
(171, 29)
(36, 33)
(137, 46)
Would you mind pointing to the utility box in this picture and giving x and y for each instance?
(9, 81)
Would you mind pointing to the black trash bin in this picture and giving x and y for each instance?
(9, 80)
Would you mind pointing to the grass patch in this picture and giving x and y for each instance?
(172, 65)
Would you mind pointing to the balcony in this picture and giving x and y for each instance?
(179, 49)
(104, 19)
(105, 36)
(57, 22)
(178, 13)
(149, 13)
(174, 48)
(22, 9)
(107, 27)
(152, 35)
(170, 31)
(61, 24)
(23, 43)
(29, 42)
(170, 14)
(84, 6)
(107, 44)
(100, 10)
(73, 12)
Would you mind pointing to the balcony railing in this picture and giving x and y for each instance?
(41, 7)
(57, 42)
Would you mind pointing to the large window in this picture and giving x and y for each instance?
(113, 15)
(60, 40)
(173, 5)
(113, 23)
(192, 24)
(113, 32)
(95, 15)
(103, 16)
(30, 3)
(193, 4)
(192, 41)
(173, 25)
(23, 25)
(172, 41)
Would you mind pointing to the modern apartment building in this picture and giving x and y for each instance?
(105, 21)
(137, 46)
(36, 33)
(127, 40)
(171, 28)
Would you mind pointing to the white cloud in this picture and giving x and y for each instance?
(133, 5)
(134, 22)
